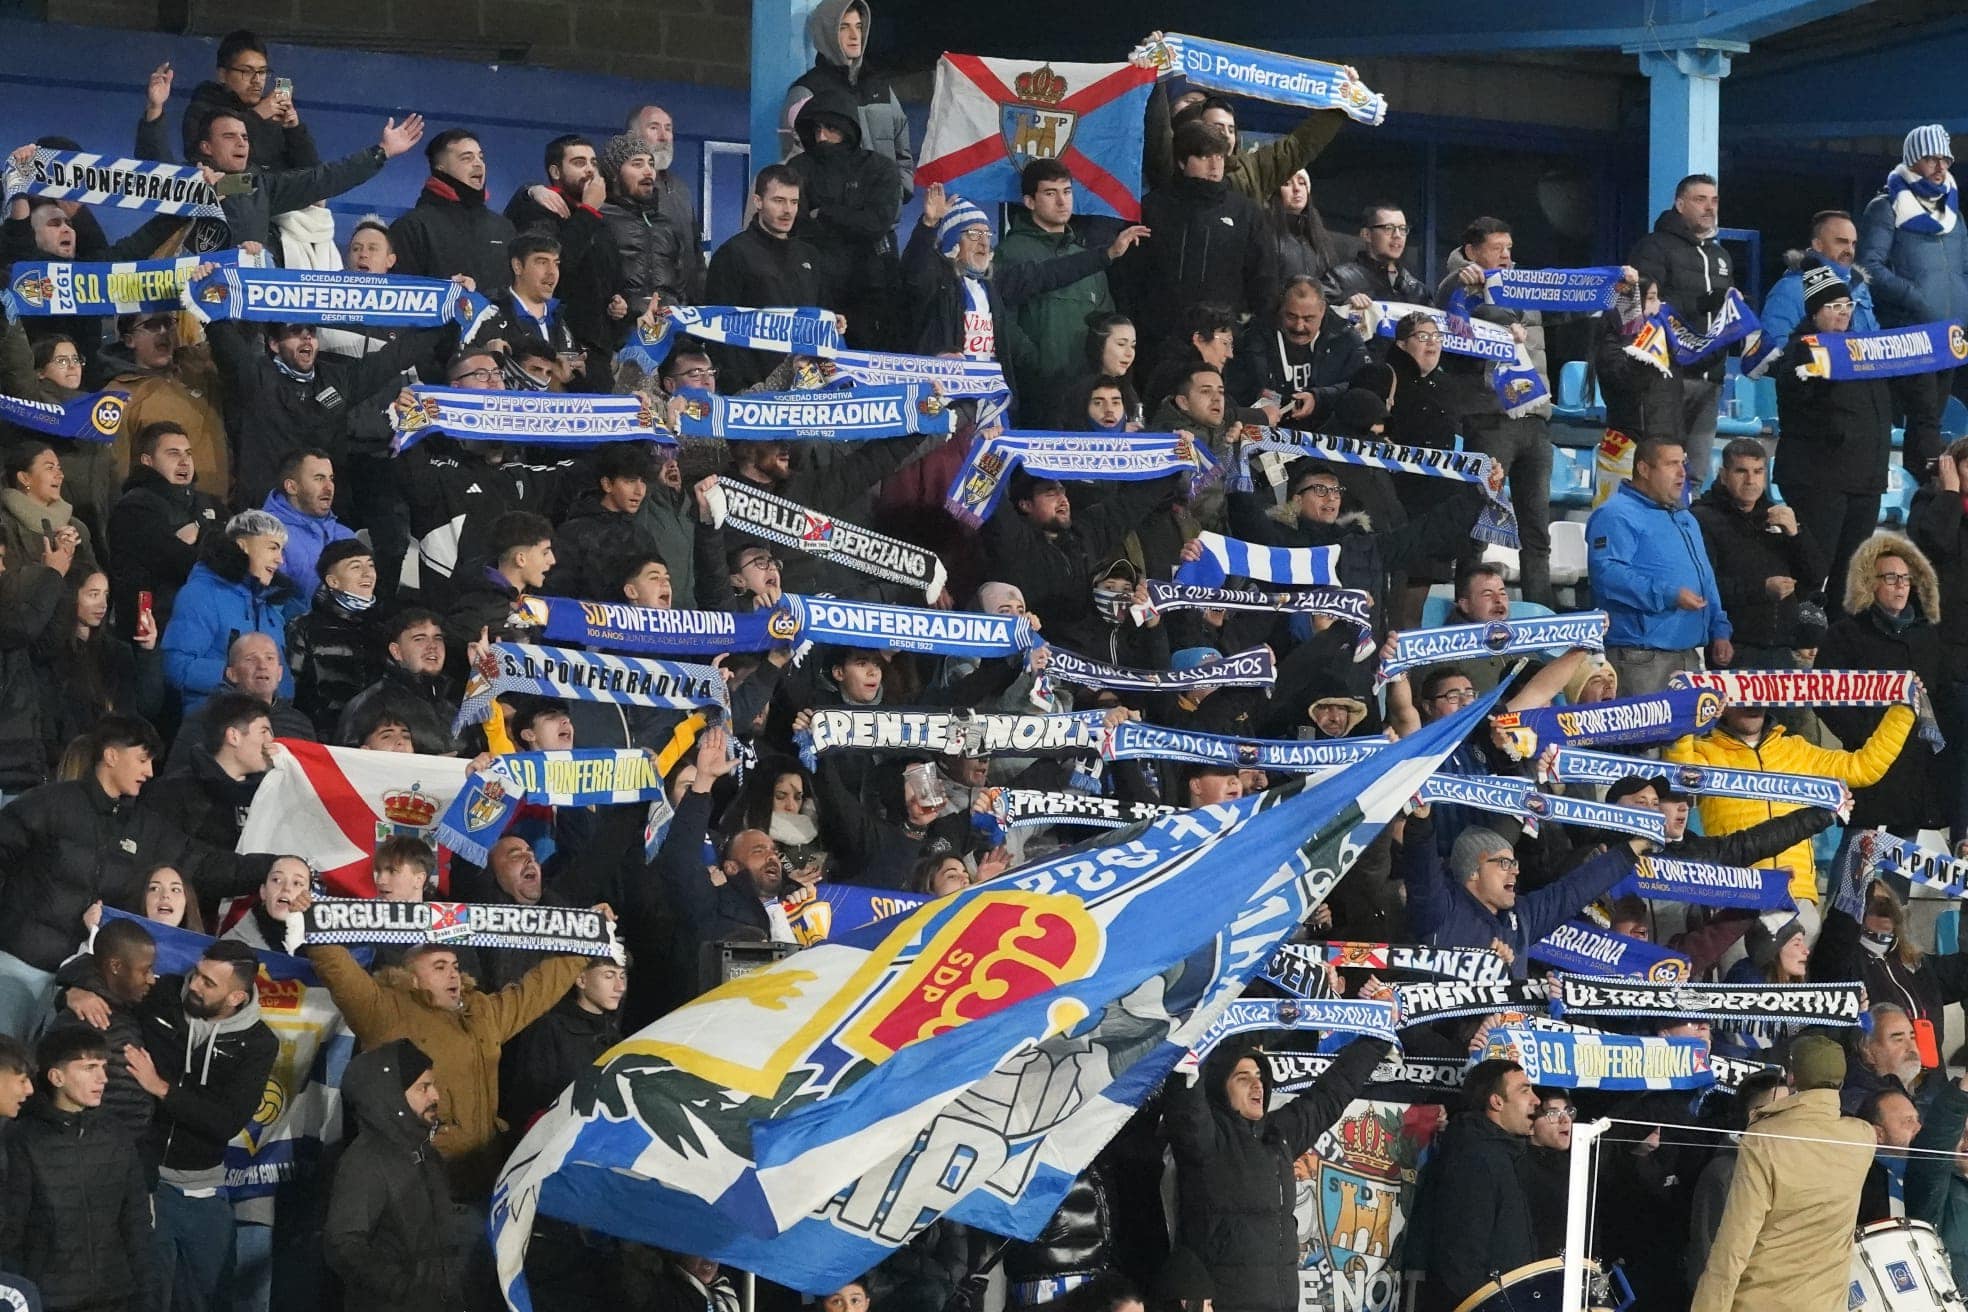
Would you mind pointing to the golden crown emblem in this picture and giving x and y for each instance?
(1040, 86)
(409, 808)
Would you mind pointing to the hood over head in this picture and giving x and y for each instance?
(374, 1085)
(823, 32)
(1858, 577)
(834, 107)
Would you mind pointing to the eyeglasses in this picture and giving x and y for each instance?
(1398, 229)
(484, 375)
(64, 359)
(762, 562)
(1425, 338)
(1457, 696)
(1507, 864)
(1558, 1114)
(251, 74)
(697, 373)
(1323, 491)
(1894, 578)
(156, 326)
(1845, 304)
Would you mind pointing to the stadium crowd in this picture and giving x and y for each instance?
(252, 559)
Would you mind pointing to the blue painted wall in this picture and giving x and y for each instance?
(87, 83)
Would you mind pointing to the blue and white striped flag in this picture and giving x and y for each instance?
(1224, 557)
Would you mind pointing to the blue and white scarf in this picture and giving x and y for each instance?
(1879, 850)
(798, 331)
(125, 184)
(1300, 967)
(1585, 948)
(1454, 642)
(1923, 348)
(1582, 291)
(1706, 884)
(1821, 688)
(526, 418)
(1357, 1017)
(1263, 75)
(1504, 795)
(586, 676)
(1223, 557)
(1031, 808)
(772, 518)
(1427, 1001)
(1420, 1077)
(493, 925)
(859, 414)
(1804, 1004)
(1498, 522)
(93, 418)
(1133, 740)
(1519, 388)
(1348, 605)
(1922, 206)
(1629, 721)
(1121, 457)
(1667, 339)
(618, 626)
(982, 381)
(1575, 765)
(582, 776)
(952, 733)
(41, 288)
(1254, 668)
(1612, 1063)
(331, 296)
(911, 628)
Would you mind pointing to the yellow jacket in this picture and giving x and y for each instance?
(1782, 754)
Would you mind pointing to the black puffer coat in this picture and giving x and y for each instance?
(334, 653)
(1234, 1175)
(29, 596)
(1694, 277)
(544, 1058)
(1477, 1217)
(77, 1219)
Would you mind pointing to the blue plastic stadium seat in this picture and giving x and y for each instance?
(1954, 418)
(1746, 423)
(1569, 402)
(1766, 403)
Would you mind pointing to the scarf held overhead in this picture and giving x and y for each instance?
(331, 296)
(1497, 524)
(1300, 967)
(1653, 718)
(1582, 291)
(1614, 1063)
(1132, 740)
(583, 776)
(980, 484)
(1586, 948)
(1031, 808)
(586, 676)
(1416, 647)
(1255, 668)
(1575, 765)
(1514, 378)
(1804, 1004)
(955, 733)
(1263, 75)
(1223, 557)
(41, 288)
(773, 518)
(1821, 688)
(859, 414)
(1504, 795)
(1706, 884)
(1359, 1017)
(797, 331)
(124, 184)
(1923, 348)
(495, 925)
(525, 418)
(618, 626)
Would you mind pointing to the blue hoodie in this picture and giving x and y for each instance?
(307, 537)
(1640, 555)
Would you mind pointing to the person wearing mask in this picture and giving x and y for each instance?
(450, 230)
(1837, 440)
(1472, 1196)
(1877, 949)
(1759, 552)
(849, 204)
(763, 264)
(1650, 573)
(157, 524)
(1834, 242)
(236, 588)
(391, 1232)
(1785, 1238)
(334, 651)
(838, 32)
(1233, 1164)
(1914, 250)
(1685, 259)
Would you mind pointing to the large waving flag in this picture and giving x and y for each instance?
(989, 118)
(333, 805)
(966, 1058)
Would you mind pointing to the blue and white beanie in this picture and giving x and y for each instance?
(1928, 139)
(962, 214)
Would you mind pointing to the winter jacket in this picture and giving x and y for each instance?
(546, 1056)
(1783, 754)
(593, 540)
(463, 1044)
(189, 741)
(1266, 362)
(218, 1072)
(1211, 246)
(219, 602)
(307, 537)
(450, 231)
(1426, 412)
(1925, 989)
(1745, 554)
(484, 604)
(1641, 554)
(842, 485)
(1479, 1219)
(1234, 1175)
(1363, 274)
(1938, 525)
(1832, 434)
(391, 1223)
(23, 529)
(274, 413)
(1054, 323)
(1786, 1235)
(204, 801)
(124, 1101)
(1917, 277)
(425, 704)
(185, 392)
(1917, 791)
(646, 250)
(937, 301)
(850, 198)
(89, 469)
(30, 594)
(144, 542)
(1935, 1192)
(884, 124)
(1783, 306)
(1477, 400)
(1257, 173)
(65, 845)
(1444, 913)
(333, 653)
(273, 145)
(1546, 1176)
(456, 494)
(756, 268)
(1641, 401)
(1694, 277)
(77, 1219)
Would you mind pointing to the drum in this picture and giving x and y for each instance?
(1540, 1287)
(1901, 1266)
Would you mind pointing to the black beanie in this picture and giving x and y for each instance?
(1822, 286)
(407, 1060)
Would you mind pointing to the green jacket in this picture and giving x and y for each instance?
(1256, 173)
(1935, 1191)
(1053, 323)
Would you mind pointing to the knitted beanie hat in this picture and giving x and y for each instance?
(962, 215)
(1822, 286)
(621, 149)
(1928, 139)
(1816, 1062)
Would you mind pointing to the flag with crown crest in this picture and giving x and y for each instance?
(989, 118)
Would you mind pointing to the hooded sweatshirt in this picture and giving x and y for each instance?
(884, 126)
(218, 1071)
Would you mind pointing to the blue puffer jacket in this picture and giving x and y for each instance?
(217, 604)
(1641, 554)
(1917, 277)
(1783, 308)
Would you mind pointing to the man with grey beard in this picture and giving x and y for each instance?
(673, 198)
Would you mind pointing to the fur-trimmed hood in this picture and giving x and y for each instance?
(1858, 578)
(1794, 263)
(402, 979)
(1287, 514)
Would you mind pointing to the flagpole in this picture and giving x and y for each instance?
(1577, 1188)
